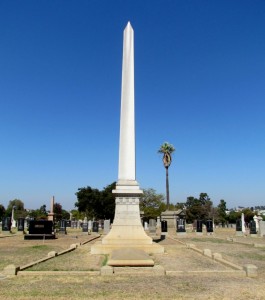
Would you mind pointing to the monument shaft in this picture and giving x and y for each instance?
(127, 127)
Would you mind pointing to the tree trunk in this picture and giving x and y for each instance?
(167, 188)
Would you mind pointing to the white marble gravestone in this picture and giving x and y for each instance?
(106, 226)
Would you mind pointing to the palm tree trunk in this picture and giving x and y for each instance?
(167, 188)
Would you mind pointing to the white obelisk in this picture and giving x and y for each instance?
(127, 230)
(126, 174)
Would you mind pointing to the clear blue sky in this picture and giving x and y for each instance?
(199, 84)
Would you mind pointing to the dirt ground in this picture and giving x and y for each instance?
(209, 279)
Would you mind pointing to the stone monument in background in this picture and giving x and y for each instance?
(127, 230)
(51, 213)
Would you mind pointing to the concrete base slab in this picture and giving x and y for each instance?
(199, 233)
(99, 248)
(39, 236)
(254, 235)
(239, 233)
(144, 271)
(130, 257)
(181, 233)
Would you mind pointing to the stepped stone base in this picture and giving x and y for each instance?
(99, 248)
(130, 257)
(127, 230)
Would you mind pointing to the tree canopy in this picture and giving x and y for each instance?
(39, 214)
(95, 203)
(221, 212)
(152, 204)
(166, 149)
(19, 210)
(198, 208)
(2, 211)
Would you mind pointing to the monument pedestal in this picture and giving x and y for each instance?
(127, 230)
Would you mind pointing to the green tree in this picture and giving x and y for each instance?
(2, 211)
(57, 209)
(88, 201)
(19, 211)
(96, 204)
(152, 204)
(167, 149)
(108, 202)
(65, 214)
(39, 214)
(198, 208)
(77, 215)
(248, 214)
(221, 212)
(233, 216)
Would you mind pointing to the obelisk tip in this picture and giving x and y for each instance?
(129, 25)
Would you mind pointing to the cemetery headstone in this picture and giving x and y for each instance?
(181, 225)
(252, 227)
(63, 226)
(238, 225)
(158, 222)
(243, 223)
(152, 226)
(256, 220)
(41, 229)
(85, 227)
(209, 226)
(90, 225)
(239, 231)
(163, 229)
(106, 226)
(95, 227)
(6, 224)
(146, 226)
(20, 224)
(199, 226)
(261, 228)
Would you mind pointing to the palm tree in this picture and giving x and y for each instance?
(167, 149)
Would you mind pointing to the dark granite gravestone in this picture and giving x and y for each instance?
(209, 226)
(62, 228)
(95, 227)
(20, 224)
(163, 229)
(85, 227)
(163, 226)
(199, 226)
(252, 227)
(238, 225)
(41, 229)
(181, 225)
(68, 223)
(6, 224)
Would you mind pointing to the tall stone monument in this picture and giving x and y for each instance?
(51, 213)
(127, 230)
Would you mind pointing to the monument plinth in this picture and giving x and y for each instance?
(127, 230)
